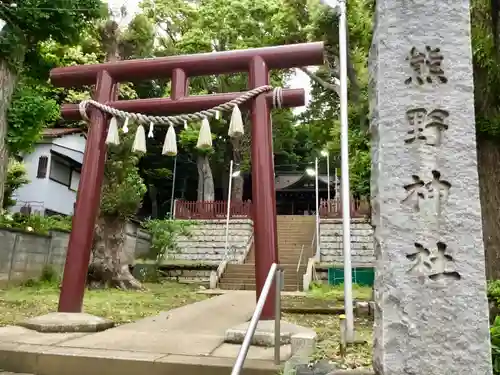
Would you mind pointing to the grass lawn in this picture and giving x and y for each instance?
(19, 303)
(324, 296)
(327, 327)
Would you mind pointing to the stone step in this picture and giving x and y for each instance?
(251, 276)
(296, 231)
(291, 260)
(63, 361)
(250, 269)
(251, 272)
(299, 229)
(237, 273)
(251, 279)
(292, 248)
(251, 266)
(249, 285)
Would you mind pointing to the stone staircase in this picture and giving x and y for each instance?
(293, 233)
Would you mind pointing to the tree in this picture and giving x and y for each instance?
(317, 22)
(28, 24)
(188, 140)
(121, 197)
(218, 25)
(123, 188)
(486, 56)
(16, 177)
(30, 112)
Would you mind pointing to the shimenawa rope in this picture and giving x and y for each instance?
(170, 145)
(179, 119)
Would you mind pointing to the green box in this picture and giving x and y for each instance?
(360, 276)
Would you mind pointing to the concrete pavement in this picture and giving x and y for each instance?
(188, 340)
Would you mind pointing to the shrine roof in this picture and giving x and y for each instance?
(300, 181)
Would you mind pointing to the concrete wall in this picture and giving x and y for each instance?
(190, 275)
(25, 257)
(361, 242)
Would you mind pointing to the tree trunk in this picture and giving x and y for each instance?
(488, 151)
(106, 269)
(7, 85)
(206, 178)
(237, 190)
(153, 195)
(200, 179)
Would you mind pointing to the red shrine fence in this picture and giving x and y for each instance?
(206, 210)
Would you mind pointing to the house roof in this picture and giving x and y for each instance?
(59, 132)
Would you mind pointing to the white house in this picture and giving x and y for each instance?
(54, 173)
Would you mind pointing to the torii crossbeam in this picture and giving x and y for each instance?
(257, 62)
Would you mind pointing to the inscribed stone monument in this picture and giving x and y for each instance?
(431, 313)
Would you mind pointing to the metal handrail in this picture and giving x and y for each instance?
(298, 267)
(248, 248)
(312, 243)
(274, 274)
(300, 258)
(226, 259)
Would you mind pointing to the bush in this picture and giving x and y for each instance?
(35, 223)
(494, 292)
(495, 345)
(16, 177)
(49, 275)
(164, 235)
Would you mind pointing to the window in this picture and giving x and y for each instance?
(75, 180)
(43, 162)
(60, 172)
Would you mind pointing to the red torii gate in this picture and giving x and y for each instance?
(257, 62)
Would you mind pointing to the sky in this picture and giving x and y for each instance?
(299, 80)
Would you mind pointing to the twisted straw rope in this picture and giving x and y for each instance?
(180, 119)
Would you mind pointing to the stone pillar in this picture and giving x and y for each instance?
(431, 306)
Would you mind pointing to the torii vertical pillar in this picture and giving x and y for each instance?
(263, 190)
(257, 62)
(87, 202)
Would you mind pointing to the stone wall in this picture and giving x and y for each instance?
(182, 272)
(207, 238)
(137, 242)
(361, 242)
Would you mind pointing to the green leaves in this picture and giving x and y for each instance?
(16, 177)
(494, 298)
(322, 115)
(123, 188)
(35, 21)
(29, 113)
(164, 235)
(486, 70)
